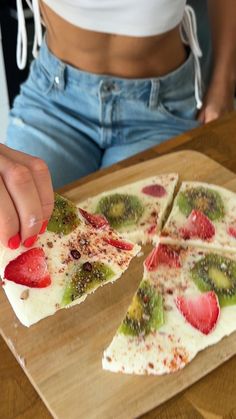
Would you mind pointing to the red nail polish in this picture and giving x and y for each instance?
(30, 241)
(14, 242)
(44, 226)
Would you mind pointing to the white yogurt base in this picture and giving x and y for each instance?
(176, 343)
(138, 233)
(43, 302)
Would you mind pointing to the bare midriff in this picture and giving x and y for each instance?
(116, 55)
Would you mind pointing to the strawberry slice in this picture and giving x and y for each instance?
(30, 269)
(202, 312)
(197, 225)
(96, 220)
(162, 255)
(119, 244)
(156, 190)
(232, 231)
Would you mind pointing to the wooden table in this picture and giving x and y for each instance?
(212, 397)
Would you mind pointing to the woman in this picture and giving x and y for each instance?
(113, 77)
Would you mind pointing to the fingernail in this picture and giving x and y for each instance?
(14, 242)
(30, 241)
(44, 226)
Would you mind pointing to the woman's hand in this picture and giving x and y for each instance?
(219, 100)
(26, 197)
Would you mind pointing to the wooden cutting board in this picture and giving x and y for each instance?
(62, 354)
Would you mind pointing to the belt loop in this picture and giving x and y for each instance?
(59, 79)
(101, 104)
(154, 93)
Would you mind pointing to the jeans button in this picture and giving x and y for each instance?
(108, 86)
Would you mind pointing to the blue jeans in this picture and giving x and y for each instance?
(79, 122)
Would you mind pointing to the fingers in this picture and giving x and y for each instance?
(41, 176)
(208, 114)
(218, 100)
(27, 196)
(20, 185)
(211, 115)
(43, 183)
(9, 221)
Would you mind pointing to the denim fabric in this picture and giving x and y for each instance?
(78, 121)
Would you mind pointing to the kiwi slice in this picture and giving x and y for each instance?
(216, 273)
(84, 278)
(64, 218)
(145, 314)
(205, 200)
(120, 209)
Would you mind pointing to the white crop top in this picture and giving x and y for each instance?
(122, 17)
(138, 18)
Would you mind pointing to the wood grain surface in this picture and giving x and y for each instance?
(213, 396)
(62, 354)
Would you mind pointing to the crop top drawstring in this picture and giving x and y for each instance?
(21, 48)
(188, 31)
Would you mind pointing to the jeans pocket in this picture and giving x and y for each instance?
(40, 78)
(177, 100)
(182, 111)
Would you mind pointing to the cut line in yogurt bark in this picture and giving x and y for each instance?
(202, 215)
(69, 261)
(185, 303)
(136, 210)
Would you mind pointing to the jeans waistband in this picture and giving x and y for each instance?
(63, 73)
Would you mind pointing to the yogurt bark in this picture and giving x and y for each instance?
(136, 210)
(202, 215)
(78, 254)
(185, 303)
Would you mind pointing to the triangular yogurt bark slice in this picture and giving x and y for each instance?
(202, 215)
(69, 261)
(136, 210)
(185, 303)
